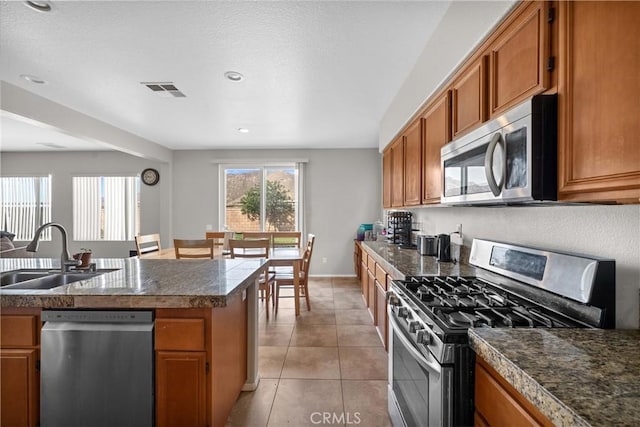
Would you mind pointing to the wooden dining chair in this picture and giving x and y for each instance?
(254, 235)
(147, 243)
(284, 280)
(286, 239)
(203, 248)
(256, 248)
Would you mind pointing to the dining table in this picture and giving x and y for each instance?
(278, 257)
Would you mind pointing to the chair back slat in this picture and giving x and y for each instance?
(249, 248)
(206, 246)
(286, 239)
(147, 243)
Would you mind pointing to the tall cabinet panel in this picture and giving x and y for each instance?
(386, 179)
(519, 59)
(437, 132)
(469, 97)
(599, 102)
(397, 173)
(412, 164)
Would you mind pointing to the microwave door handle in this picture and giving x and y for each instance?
(496, 187)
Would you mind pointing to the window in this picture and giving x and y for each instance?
(261, 198)
(106, 207)
(25, 205)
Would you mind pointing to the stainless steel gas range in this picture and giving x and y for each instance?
(431, 367)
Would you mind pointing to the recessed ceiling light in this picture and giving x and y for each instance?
(33, 79)
(243, 130)
(40, 6)
(234, 76)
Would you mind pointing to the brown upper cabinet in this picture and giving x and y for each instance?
(599, 106)
(437, 132)
(397, 173)
(413, 164)
(469, 99)
(386, 179)
(520, 63)
(587, 53)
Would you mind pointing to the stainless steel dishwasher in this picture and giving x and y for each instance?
(96, 368)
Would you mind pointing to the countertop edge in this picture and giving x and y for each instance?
(548, 404)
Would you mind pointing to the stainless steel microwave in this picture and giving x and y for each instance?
(511, 159)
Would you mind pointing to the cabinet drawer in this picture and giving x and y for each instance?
(19, 331)
(180, 334)
(381, 276)
(371, 264)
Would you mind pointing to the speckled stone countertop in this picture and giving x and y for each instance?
(576, 377)
(138, 283)
(408, 262)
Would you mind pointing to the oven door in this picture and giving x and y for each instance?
(420, 389)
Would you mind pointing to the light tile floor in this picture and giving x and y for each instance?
(327, 367)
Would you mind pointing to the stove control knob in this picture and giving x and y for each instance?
(403, 312)
(424, 337)
(392, 298)
(415, 326)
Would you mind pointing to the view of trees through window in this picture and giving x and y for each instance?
(261, 199)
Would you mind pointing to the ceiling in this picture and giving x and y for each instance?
(317, 74)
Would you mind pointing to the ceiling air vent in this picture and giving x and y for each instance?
(164, 89)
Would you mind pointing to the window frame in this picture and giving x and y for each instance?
(39, 220)
(137, 207)
(263, 167)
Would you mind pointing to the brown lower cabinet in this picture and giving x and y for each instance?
(497, 403)
(19, 362)
(381, 313)
(200, 354)
(373, 282)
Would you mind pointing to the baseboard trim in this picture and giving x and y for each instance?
(331, 275)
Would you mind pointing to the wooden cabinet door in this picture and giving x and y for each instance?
(469, 99)
(357, 259)
(519, 58)
(371, 301)
(19, 392)
(599, 101)
(397, 173)
(413, 164)
(180, 388)
(364, 279)
(497, 403)
(381, 313)
(437, 132)
(386, 179)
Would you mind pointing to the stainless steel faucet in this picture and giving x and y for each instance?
(66, 261)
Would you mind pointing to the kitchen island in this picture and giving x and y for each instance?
(574, 377)
(205, 331)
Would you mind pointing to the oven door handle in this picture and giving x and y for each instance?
(496, 187)
(431, 365)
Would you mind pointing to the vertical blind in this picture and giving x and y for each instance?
(105, 208)
(25, 205)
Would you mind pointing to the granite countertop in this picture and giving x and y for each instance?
(408, 262)
(576, 377)
(139, 283)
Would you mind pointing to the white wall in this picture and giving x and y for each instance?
(464, 25)
(342, 190)
(155, 201)
(605, 231)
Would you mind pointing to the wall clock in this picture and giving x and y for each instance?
(150, 176)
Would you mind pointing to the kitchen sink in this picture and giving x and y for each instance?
(44, 279)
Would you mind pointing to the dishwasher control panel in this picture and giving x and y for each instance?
(88, 316)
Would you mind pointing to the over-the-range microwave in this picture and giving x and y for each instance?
(511, 159)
